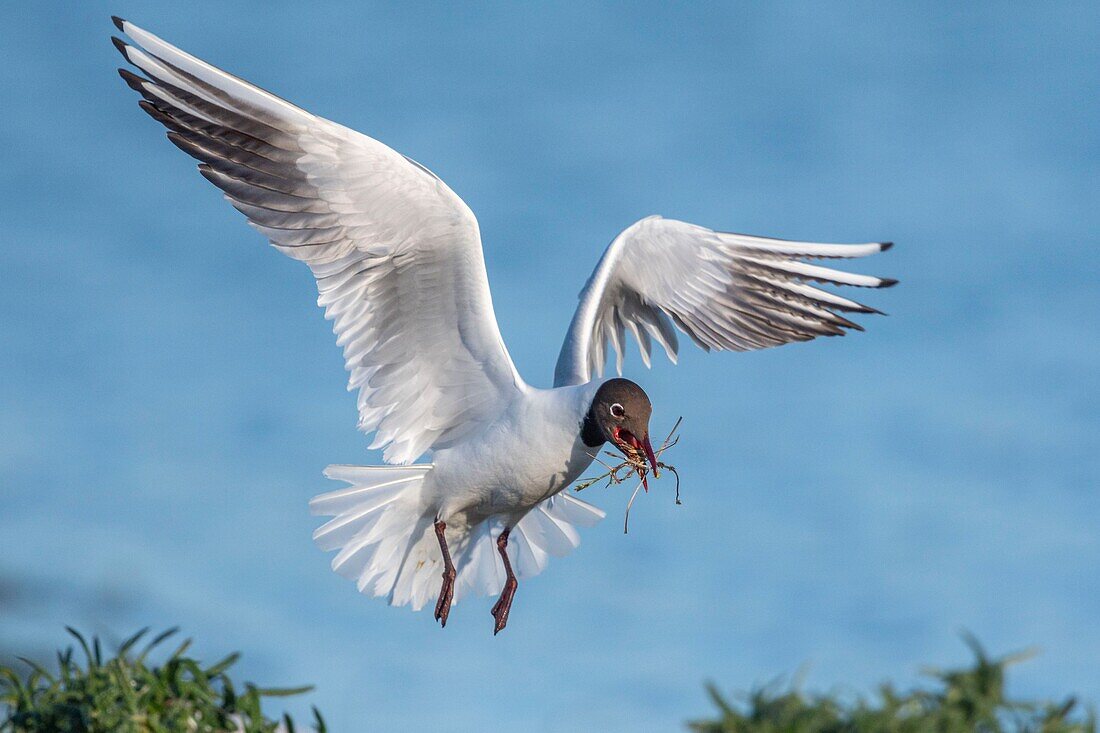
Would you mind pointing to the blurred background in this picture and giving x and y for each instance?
(169, 393)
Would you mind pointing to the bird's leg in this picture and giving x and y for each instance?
(504, 603)
(447, 591)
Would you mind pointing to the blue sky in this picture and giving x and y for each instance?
(169, 394)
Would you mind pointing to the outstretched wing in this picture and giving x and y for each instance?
(725, 291)
(397, 255)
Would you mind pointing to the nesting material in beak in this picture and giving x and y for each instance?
(637, 453)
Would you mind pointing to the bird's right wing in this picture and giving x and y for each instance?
(396, 254)
(725, 291)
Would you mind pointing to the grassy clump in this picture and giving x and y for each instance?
(962, 701)
(125, 694)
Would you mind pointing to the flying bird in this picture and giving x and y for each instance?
(400, 272)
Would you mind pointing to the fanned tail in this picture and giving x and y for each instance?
(382, 527)
(376, 525)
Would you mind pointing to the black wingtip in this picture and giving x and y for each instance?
(885, 246)
(120, 45)
(208, 173)
(888, 282)
(118, 23)
(132, 80)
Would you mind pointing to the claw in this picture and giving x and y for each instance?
(447, 590)
(503, 606)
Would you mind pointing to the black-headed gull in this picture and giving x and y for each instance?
(399, 267)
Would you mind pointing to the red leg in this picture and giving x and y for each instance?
(447, 591)
(504, 603)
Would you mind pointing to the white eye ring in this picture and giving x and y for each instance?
(617, 410)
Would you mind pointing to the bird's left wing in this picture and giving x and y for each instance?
(726, 291)
(396, 254)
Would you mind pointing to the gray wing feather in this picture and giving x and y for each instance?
(725, 291)
(396, 254)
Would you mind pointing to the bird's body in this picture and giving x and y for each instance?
(507, 475)
(533, 451)
(398, 261)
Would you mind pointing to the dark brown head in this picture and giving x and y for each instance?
(619, 414)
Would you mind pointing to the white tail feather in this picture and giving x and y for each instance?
(383, 529)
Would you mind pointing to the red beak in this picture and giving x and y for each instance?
(649, 454)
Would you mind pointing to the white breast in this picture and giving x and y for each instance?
(533, 452)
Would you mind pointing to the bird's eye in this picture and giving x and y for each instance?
(617, 410)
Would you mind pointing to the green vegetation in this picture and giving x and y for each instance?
(126, 695)
(961, 700)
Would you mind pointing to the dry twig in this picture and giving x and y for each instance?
(634, 462)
